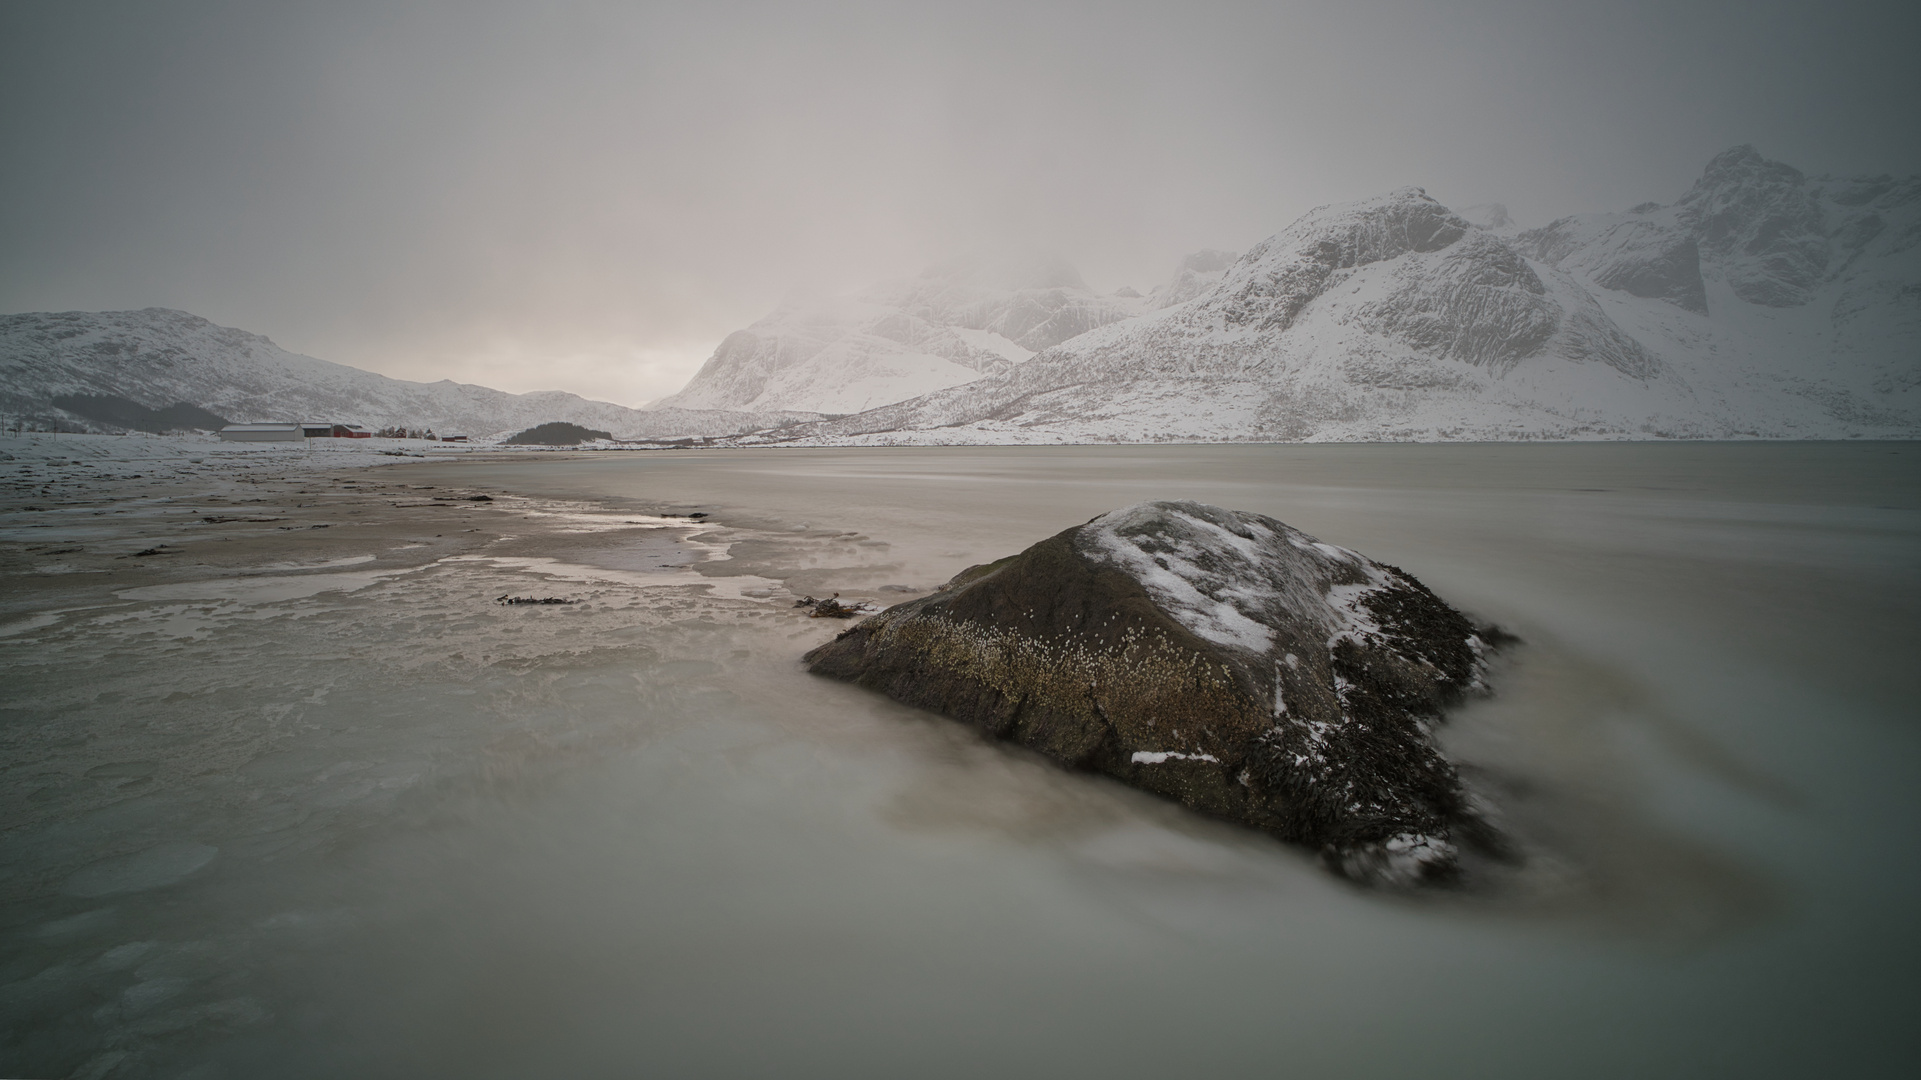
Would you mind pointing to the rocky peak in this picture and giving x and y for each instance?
(1742, 165)
(1269, 286)
(1762, 222)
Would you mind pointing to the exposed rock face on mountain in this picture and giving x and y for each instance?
(1762, 304)
(1753, 235)
(1762, 223)
(955, 323)
(1774, 236)
(1634, 253)
(1221, 659)
(157, 359)
(1769, 231)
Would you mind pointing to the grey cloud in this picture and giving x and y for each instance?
(589, 196)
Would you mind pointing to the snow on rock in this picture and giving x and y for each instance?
(157, 357)
(1231, 577)
(1218, 658)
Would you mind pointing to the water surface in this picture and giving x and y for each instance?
(367, 822)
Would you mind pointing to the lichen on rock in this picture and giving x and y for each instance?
(1221, 659)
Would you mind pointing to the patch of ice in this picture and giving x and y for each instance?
(261, 590)
(735, 587)
(582, 521)
(351, 560)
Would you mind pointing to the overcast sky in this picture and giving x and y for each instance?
(588, 196)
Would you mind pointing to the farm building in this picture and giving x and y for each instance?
(264, 433)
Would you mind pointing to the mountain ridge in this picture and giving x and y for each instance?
(1762, 303)
(158, 357)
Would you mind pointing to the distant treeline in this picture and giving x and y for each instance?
(122, 412)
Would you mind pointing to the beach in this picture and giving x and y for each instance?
(299, 792)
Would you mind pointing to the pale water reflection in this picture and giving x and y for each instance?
(394, 830)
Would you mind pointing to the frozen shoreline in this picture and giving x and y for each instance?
(94, 519)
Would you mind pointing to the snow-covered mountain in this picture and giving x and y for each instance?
(157, 357)
(954, 324)
(1762, 304)
(1814, 282)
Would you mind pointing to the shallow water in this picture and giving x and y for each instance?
(366, 822)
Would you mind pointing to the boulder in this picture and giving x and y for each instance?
(1221, 659)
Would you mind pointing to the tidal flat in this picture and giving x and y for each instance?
(288, 789)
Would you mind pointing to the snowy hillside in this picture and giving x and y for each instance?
(1762, 304)
(157, 357)
(953, 324)
(1811, 285)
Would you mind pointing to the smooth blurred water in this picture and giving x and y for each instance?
(391, 829)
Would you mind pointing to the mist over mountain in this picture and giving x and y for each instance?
(957, 322)
(1762, 303)
(1194, 277)
(156, 359)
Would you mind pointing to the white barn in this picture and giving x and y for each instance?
(263, 433)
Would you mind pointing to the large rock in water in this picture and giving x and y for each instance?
(1218, 658)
